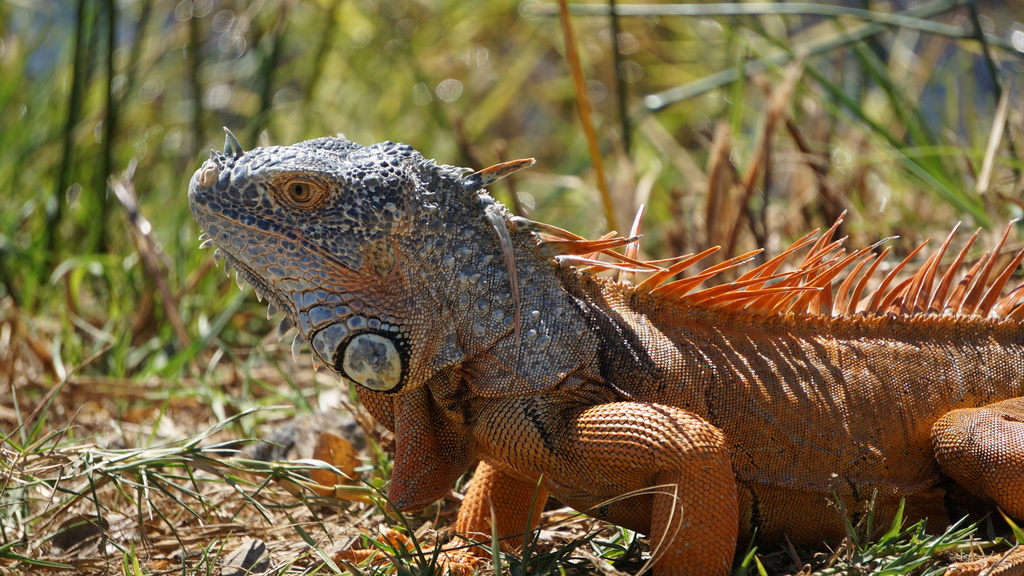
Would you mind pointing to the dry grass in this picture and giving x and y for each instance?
(107, 475)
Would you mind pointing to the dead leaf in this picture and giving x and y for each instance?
(339, 453)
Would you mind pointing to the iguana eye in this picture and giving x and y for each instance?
(302, 192)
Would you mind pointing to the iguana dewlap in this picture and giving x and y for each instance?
(748, 406)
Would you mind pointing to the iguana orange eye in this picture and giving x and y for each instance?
(302, 192)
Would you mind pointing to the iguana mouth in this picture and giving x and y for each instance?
(363, 350)
(275, 302)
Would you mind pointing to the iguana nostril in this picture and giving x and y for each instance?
(208, 173)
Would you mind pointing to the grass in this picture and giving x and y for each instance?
(132, 372)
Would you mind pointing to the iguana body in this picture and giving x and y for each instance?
(748, 406)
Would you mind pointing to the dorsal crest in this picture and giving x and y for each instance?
(809, 287)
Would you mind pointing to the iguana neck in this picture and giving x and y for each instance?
(470, 281)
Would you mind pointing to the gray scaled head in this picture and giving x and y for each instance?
(330, 231)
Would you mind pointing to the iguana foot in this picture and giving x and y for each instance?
(1009, 564)
(460, 562)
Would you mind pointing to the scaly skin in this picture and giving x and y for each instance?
(470, 342)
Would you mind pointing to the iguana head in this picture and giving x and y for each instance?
(353, 243)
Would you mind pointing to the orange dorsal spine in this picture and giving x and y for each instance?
(808, 288)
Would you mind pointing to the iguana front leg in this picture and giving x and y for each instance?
(982, 449)
(515, 503)
(586, 456)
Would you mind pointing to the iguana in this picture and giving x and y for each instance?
(762, 404)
